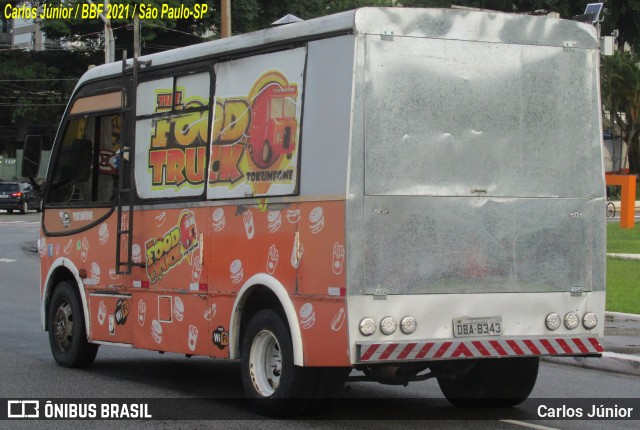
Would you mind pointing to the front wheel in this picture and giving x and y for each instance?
(67, 333)
(271, 382)
(501, 382)
(611, 210)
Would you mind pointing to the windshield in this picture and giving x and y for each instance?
(9, 187)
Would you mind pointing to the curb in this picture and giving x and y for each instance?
(622, 316)
(609, 362)
(634, 257)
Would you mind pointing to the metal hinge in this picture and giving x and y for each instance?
(576, 291)
(380, 294)
(386, 35)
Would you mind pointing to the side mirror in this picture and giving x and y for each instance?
(31, 156)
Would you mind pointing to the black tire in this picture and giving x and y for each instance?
(25, 208)
(611, 210)
(501, 382)
(67, 333)
(271, 382)
(9, 211)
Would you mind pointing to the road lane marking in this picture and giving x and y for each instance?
(528, 425)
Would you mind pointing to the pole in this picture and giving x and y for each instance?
(136, 37)
(225, 19)
(109, 41)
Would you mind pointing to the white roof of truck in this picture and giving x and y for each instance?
(457, 24)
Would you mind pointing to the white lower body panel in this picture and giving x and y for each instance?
(523, 333)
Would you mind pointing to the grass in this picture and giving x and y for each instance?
(623, 276)
(622, 241)
(623, 286)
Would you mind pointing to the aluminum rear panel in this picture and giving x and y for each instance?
(461, 118)
(477, 245)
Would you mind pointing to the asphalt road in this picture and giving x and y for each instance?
(212, 387)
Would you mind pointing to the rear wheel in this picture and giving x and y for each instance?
(67, 333)
(9, 211)
(274, 386)
(25, 208)
(501, 382)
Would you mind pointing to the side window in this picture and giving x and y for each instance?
(255, 140)
(172, 129)
(85, 170)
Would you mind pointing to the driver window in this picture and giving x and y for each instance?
(86, 169)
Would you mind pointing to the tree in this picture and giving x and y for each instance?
(158, 33)
(36, 86)
(624, 16)
(621, 97)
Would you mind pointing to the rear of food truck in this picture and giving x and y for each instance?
(475, 218)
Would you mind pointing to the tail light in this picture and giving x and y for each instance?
(18, 194)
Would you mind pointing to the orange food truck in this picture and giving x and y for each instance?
(411, 193)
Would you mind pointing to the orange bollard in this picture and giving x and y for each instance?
(627, 198)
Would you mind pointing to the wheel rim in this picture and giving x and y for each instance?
(265, 363)
(63, 326)
(26, 206)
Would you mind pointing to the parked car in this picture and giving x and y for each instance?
(20, 196)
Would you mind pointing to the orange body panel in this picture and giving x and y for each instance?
(196, 261)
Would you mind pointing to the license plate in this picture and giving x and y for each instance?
(4, 196)
(472, 327)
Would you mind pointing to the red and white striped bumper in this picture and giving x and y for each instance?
(469, 348)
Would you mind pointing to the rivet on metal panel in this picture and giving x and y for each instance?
(386, 35)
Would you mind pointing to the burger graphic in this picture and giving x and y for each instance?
(218, 219)
(316, 218)
(307, 316)
(236, 271)
(156, 331)
(275, 220)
